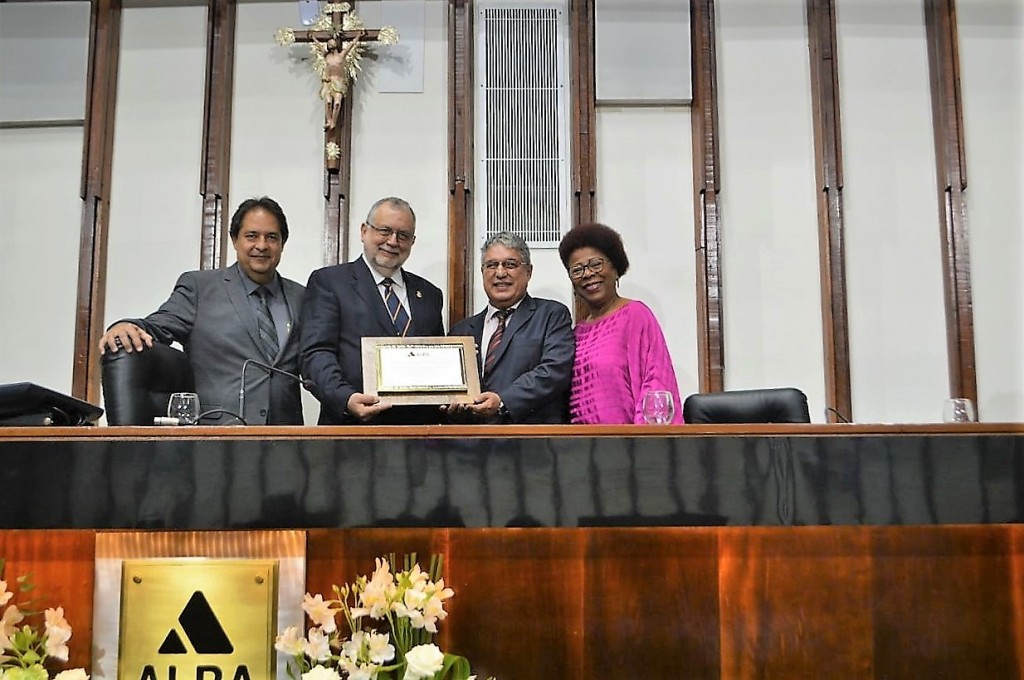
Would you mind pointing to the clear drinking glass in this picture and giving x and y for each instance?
(658, 407)
(958, 411)
(184, 406)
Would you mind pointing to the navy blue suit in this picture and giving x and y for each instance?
(342, 306)
(532, 369)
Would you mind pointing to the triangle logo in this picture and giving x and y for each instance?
(202, 629)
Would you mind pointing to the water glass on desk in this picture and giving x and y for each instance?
(184, 406)
(958, 411)
(658, 407)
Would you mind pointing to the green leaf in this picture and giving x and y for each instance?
(454, 668)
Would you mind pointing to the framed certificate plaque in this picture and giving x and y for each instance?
(429, 370)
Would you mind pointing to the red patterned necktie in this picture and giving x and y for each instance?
(495, 342)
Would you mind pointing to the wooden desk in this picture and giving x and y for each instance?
(580, 603)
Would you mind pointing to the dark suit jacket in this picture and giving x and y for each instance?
(532, 370)
(343, 305)
(208, 313)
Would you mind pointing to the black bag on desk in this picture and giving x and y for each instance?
(28, 404)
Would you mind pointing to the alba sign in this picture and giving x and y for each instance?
(202, 619)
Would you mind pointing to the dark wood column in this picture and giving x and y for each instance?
(460, 159)
(706, 186)
(584, 117)
(584, 142)
(216, 173)
(828, 161)
(951, 175)
(337, 185)
(104, 46)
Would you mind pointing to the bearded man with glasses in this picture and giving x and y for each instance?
(372, 296)
(524, 344)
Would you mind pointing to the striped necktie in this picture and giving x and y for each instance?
(265, 325)
(399, 316)
(495, 342)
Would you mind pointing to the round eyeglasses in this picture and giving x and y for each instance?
(594, 264)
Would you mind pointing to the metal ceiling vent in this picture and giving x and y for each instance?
(521, 128)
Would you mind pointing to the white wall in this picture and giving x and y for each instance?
(155, 206)
(770, 281)
(39, 228)
(992, 77)
(898, 365)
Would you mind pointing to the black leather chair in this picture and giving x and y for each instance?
(771, 405)
(137, 385)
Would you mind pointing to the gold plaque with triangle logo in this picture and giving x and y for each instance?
(201, 619)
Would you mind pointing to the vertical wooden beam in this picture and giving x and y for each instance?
(584, 143)
(828, 161)
(460, 159)
(104, 46)
(951, 176)
(337, 186)
(584, 117)
(216, 172)
(706, 186)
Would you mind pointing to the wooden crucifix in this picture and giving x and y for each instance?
(335, 40)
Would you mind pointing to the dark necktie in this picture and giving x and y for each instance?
(399, 317)
(265, 325)
(495, 342)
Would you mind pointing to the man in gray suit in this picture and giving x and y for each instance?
(234, 324)
(525, 345)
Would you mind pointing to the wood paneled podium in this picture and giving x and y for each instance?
(844, 551)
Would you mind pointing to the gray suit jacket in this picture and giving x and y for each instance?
(208, 313)
(344, 305)
(532, 370)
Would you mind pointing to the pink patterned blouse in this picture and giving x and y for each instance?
(618, 359)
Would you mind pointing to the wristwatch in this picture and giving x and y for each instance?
(503, 412)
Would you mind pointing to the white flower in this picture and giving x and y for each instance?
(387, 35)
(350, 649)
(423, 661)
(8, 624)
(320, 612)
(5, 595)
(318, 672)
(378, 590)
(380, 648)
(72, 674)
(318, 646)
(290, 642)
(58, 632)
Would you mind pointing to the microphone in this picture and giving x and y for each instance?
(308, 384)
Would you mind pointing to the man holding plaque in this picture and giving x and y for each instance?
(525, 344)
(372, 296)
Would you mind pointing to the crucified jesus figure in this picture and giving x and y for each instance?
(335, 79)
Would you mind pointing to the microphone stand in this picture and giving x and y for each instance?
(270, 369)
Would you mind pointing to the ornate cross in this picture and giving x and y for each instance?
(336, 44)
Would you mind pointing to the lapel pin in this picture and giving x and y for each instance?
(419, 294)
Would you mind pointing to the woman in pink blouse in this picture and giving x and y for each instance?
(620, 350)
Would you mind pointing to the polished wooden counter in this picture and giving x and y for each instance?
(487, 476)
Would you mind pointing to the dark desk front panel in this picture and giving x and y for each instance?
(195, 481)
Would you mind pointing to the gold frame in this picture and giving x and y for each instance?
(464, 393)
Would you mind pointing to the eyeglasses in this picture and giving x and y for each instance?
(594, 264)
(509, 265)
(386, 233)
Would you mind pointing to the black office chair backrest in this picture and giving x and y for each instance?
(137, 385)
(771, 405)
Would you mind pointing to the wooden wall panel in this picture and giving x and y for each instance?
(943, 604)
(519, 600)
(60, 563)
(796, 602)
(651, 602)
